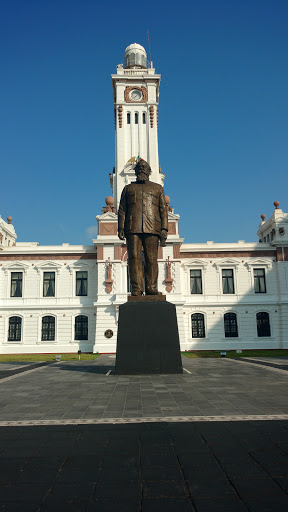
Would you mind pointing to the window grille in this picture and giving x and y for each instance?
(15, 324)
(230, 325)
(196, 281)
(81, 327)
(49, 284)
(198, 325)
(16, 284)
(263, 324)
(228, 281)
(259, 280)
(48, 328)
(81, 283)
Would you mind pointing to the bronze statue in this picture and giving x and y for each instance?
(143, 220)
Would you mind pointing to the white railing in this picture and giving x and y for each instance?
(138, 72)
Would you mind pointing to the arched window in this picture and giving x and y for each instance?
(198, 325)
(128, 118)
(230, 325)
(136, 117)
(81, 327)
(263, 324)
(48, 328)
(14, 333)
(144, 118)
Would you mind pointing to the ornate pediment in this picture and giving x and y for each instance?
(49, 266)
(195, 262)
(258, 262)
(15, 266)
(227, 262)
(107, 216)
(173, 216)
(77, 265)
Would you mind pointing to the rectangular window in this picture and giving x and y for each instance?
(81, 283)
(228, 281)
(49, 284)
(128, 118)
(136, 118)
(144, 118)
(259, 280)
(196, 281)
(16, 284)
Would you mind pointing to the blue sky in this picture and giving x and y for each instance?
(222, 113)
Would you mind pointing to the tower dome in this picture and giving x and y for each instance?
(135, 56)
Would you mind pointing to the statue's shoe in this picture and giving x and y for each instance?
(136, 294)
(153, 292)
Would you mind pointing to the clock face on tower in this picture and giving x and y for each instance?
(135, 95)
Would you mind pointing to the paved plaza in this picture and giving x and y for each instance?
(73, 436)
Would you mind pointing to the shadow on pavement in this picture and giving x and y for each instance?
(189, 466)
(99, 369)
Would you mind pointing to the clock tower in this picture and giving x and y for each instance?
(135, 95)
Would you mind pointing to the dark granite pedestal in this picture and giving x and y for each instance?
(148, 339)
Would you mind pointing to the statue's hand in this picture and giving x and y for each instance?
(121, 234)
(163, 237)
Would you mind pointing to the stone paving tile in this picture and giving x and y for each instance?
(81, 389)
(163, 466)
(108, 505)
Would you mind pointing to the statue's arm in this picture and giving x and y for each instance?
(163, 211)
(121, 214)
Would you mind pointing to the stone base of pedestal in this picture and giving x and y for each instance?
(148, 339)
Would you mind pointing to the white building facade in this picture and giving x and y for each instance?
(57, 299)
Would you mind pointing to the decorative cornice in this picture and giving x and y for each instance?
(47, 257)
(227, 254)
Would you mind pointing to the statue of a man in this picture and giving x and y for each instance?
(142, 220)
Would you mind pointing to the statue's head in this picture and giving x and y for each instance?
(142, 170)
